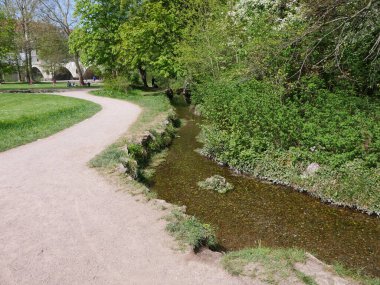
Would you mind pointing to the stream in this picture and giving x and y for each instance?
(257, 213)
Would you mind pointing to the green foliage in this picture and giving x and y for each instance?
(190, 230)
(256, 128)
(7, 42)
(254, 116)
(138, 153)
(97, 36)
(216, 183)
(342, 43)
(149, 37)
(127, 35)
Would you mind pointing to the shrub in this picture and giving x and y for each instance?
(120, 84)
(138, 152)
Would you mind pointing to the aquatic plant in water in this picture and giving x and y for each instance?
(217, 183)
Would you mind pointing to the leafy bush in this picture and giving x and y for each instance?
(260, 129)
(216, 183)
(117, 84)
(138, 152)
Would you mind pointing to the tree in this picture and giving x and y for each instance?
(52, 46)
(6, 43)
(153, 34)
(59, 12)
(342, 42)
(150, 37)
(97, 34)
(125, 35)
(23, 11)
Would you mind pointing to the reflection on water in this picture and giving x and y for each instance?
(256, 212)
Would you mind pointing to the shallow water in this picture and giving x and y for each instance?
(259, 213)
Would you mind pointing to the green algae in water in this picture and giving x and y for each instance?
(260, 213)
(216, 183)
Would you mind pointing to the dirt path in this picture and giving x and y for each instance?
(63, 223)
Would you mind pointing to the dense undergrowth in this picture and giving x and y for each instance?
(255, 128)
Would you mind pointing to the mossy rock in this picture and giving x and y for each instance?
(216, 183)
(131, 167)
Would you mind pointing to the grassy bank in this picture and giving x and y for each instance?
(131, 153)
(26, 118)
(267, 264)
(324, 142)
(156, 109)
(289, 266)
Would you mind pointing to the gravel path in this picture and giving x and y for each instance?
(63, 223)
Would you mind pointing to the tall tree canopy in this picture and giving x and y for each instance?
(125, 35)
(97, 36)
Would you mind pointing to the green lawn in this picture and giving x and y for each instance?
(25, 118)
(41, 85)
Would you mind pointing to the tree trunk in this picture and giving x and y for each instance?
(142, 72)
(28, 76)
(79, 69)
(30, 68)
(18, 69)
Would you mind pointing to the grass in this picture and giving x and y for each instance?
(355, 274)
(270, 265)
(25, 118)
(188, 230)
(39, 85)
(275, 265)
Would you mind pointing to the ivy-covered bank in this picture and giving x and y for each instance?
(323, 142)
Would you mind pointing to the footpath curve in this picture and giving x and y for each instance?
(63, 223)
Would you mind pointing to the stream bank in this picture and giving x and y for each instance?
(257, 213)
